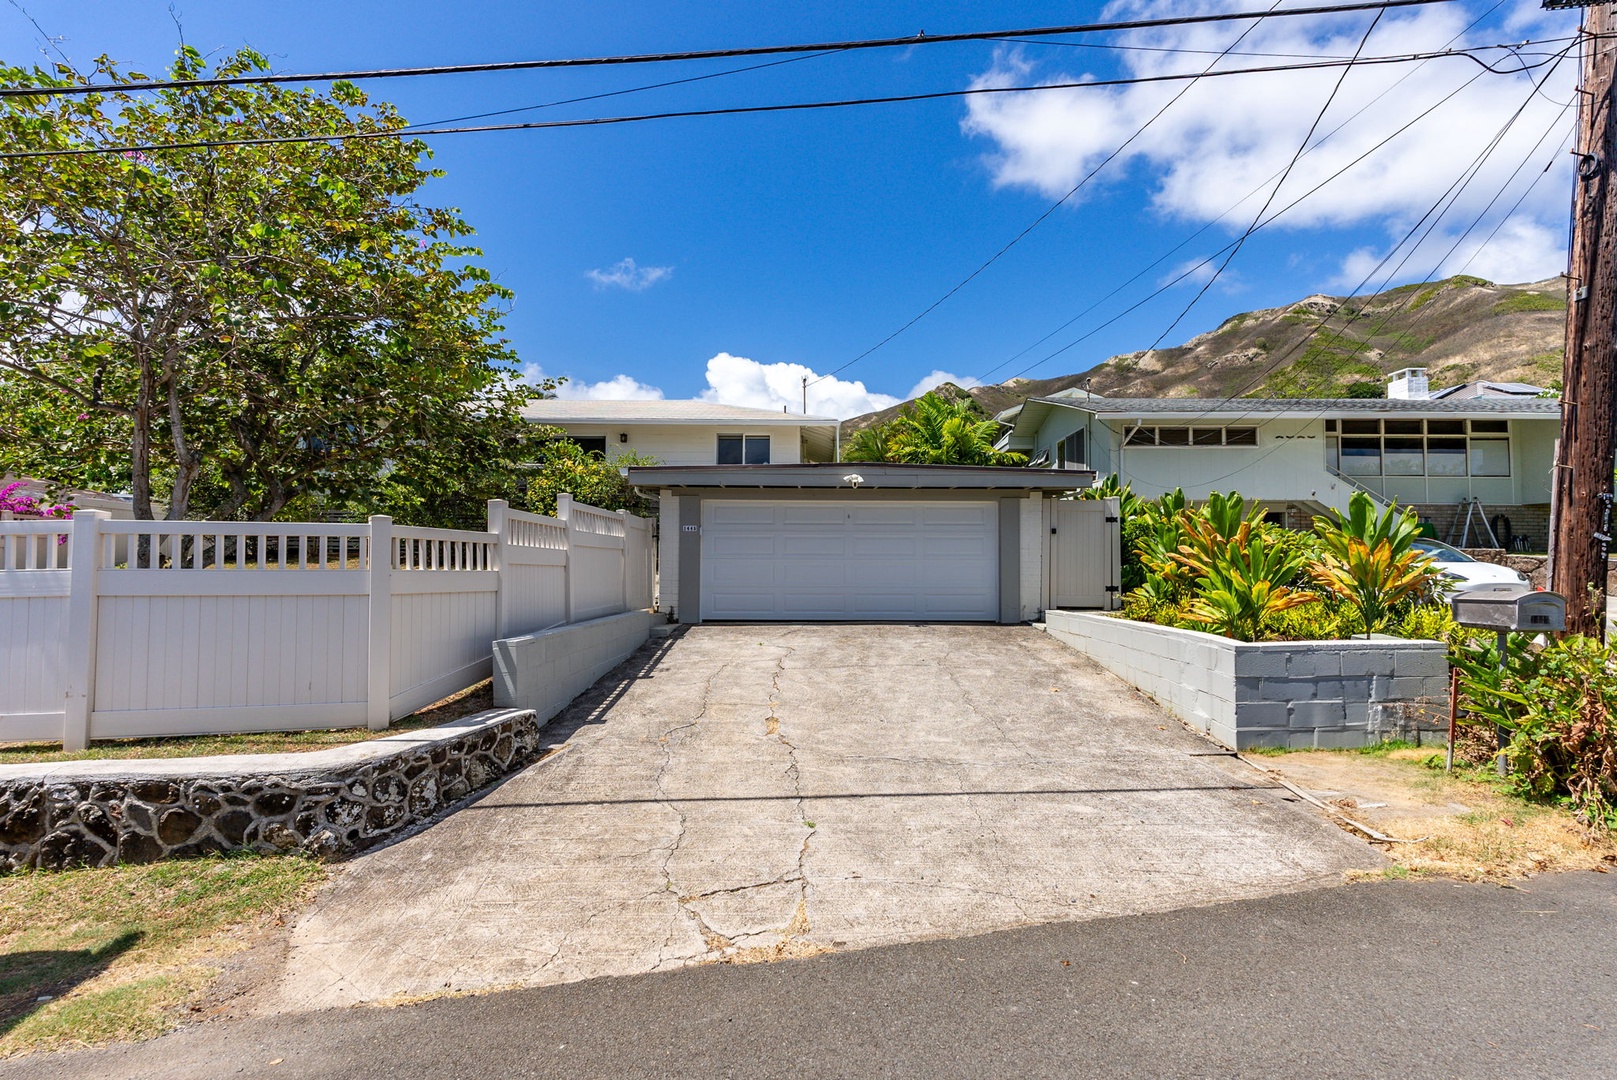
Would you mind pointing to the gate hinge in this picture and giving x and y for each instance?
(1052, 530)
(1111, 588)
(1112, 520)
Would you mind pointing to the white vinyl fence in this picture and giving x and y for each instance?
(117, 629)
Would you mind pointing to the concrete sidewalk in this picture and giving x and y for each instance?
(752, 792)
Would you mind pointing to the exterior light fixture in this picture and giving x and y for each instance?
(853, 479)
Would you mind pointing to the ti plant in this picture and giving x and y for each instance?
(1242, 574)
(1370, 561)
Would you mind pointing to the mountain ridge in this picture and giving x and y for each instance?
(1325, 346)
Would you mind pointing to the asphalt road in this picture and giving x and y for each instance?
(1387, 979)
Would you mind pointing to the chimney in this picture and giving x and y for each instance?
(1409, 385)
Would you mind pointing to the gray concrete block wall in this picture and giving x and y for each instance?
(1265, 694)
(545, 671)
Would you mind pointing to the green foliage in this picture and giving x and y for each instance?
(1428, 622)
(234, 331)
(1329, 619)
(1366, 389)
(1559, 705)
(1369, 560)
(1239, 589)
(932, 430)
(1529, 301)
(562, 466)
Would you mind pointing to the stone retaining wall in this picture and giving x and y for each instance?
(1295, 694)
(327, 802)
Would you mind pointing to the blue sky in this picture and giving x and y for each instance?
(726, 257)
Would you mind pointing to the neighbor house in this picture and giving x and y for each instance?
(690, 432)
(1464, 458)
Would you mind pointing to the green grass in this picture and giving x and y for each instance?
(475, 699)
(1529, 301)
(92, 955)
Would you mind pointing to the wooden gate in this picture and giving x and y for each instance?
(1084, 557)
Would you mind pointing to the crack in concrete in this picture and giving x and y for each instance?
(800, 922)
(666, 741)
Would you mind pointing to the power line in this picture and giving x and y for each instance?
(922, 38)
(740, 110)
(1366, 107)
(1036, 222)
(1285, 174)
(1164, 287)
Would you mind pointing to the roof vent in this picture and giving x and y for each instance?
(1409, 385)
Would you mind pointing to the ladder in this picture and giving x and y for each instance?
(1460, 533)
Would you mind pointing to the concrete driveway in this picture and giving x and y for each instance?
(757, 792)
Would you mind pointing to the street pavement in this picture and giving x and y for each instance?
(1399, 979)
(767, 791)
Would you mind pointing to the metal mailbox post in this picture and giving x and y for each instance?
(1503, 609)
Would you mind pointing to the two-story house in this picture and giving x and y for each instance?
(1463, 458)
(691, 432)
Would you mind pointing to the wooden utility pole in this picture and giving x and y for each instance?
(1581, 491)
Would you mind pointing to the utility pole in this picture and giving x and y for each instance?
(1581, 492)
(805, 395)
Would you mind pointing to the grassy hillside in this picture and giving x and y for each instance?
(1461, 329)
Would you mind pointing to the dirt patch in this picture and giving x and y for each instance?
(1459, 825)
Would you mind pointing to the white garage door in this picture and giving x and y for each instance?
(850, 560)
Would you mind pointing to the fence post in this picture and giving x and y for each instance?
(499, 525)
(78, 653)
(379, 674)
(564, 514)
(623, 578)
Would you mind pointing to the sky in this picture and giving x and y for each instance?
(729, 257)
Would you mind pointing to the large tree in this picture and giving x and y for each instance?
(227, 330)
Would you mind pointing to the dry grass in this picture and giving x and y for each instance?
(95, 955)
(1461, 825)
(793, 944)
(472, 700)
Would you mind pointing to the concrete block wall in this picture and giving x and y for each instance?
(545, 671)
(1266, 694)
(1032, 550)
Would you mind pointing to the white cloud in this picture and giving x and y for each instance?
(1226, 141)
(617, 388)
(938, 378)
(627, 275)
(736, 380)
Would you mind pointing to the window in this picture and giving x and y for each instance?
(594, 445)
(1404, 455)
(1490, 457)
(743, 450)
(1186, 436)
(1397, 448)
(1070, 451)
(1361, 457)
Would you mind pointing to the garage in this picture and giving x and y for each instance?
(843, 560)
(867, 542)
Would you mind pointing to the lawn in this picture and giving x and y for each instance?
(95, 955)
(472, 700)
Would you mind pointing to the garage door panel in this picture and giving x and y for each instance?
(739, 513)
(813, 513)
(889, 548)
(966, 514)
(829, 545)
(846, 560)
(879, 514)
(744, 546)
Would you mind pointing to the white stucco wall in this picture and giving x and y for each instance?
(1289, 464)
(690, 444)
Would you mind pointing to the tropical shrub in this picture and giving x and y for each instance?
(1559, 706)
(933, 430)
(1369, 560)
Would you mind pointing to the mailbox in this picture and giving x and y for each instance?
(1509, 607)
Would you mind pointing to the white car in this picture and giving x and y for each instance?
(1462, 572)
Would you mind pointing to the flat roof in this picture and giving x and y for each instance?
(560, 411)
(872, 476)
